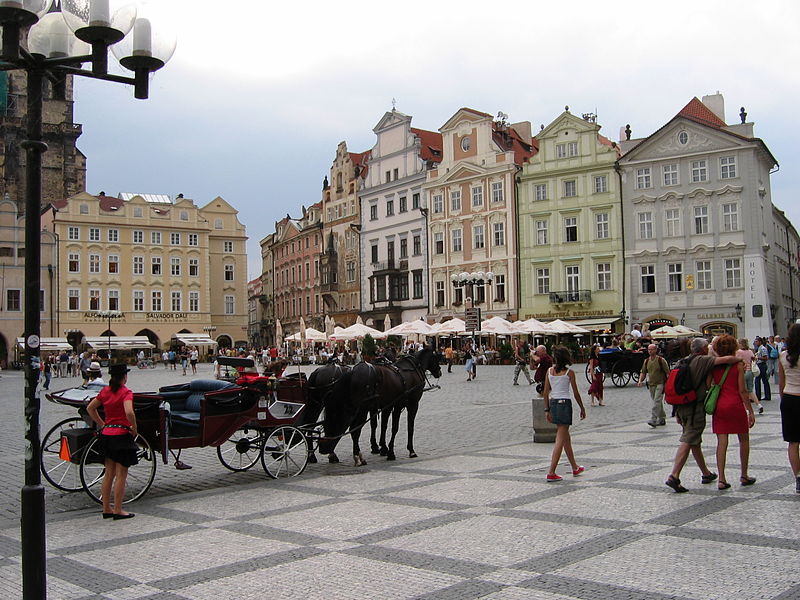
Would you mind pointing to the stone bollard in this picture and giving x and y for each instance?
(543, 431)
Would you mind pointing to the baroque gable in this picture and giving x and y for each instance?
(682, 137)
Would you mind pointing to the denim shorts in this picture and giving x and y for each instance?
(561, 411)
(748, 380)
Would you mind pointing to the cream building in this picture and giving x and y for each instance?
(571, 250)
(166, 265)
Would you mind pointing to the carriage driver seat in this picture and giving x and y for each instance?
(184, 400)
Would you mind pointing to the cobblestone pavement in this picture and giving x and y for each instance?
(471, 518)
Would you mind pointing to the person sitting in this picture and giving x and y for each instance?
(95, 375)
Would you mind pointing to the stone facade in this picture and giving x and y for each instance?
(267, 299)
(570, 226)
(784, 265)
(698, 224)
(394, 245)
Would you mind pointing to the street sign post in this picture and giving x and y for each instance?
(472, 319)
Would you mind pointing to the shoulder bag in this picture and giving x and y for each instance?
(712, 394)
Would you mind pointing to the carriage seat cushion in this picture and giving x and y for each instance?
(187, 397)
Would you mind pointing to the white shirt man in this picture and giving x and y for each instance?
(637, 331)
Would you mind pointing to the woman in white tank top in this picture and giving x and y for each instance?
(789, 381)
(559, 387)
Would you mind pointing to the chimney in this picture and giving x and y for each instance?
(523, 129)
(716, 104)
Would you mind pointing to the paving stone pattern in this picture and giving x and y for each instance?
(471, 518)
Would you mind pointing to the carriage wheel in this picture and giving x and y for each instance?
(60, 473)
(140, 476)
(240, 451)
(588, 373)
(620, 376)
(285, 452)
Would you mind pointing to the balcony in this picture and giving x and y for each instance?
(571, 297)
(390, 265)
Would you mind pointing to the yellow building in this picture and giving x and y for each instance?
(570, 227)
(166, 266)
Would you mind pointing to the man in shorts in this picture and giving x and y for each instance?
(692, 417)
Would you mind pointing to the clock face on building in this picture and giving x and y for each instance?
(466, 143)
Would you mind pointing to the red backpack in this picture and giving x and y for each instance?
(679, 388)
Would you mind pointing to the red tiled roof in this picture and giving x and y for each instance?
(360, 159)
(110, 203)
(476, 112)
(431, 144)
(523, 149)
(700, 113)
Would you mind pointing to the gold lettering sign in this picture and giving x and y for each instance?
(690, 282)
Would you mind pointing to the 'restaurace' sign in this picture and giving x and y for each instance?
(472, 319)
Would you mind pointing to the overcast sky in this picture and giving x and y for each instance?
(257, 97)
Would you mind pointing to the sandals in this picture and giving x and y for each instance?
(708, 478)
(723, 485)
(747, 480)
(675, 484)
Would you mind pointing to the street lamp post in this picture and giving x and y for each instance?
(110, 315)
(59, 43)
(469, 281)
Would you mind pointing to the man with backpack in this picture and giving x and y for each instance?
(522, 356)
(772, 360)
(656, 369)
(688, 408)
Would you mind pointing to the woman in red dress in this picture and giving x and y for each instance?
(117, 435)
(734, 413)
(596, 389)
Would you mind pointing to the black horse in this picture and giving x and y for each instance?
(329, 381)
(387, 388)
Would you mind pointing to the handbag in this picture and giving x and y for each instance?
(712, 394)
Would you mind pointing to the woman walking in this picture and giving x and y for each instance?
(789, 382)
(596, 389)
(734, 412)
(558, 383)
(117, 435)
(748, 356)
(468, 362)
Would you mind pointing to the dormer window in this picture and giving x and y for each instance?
(83, 209)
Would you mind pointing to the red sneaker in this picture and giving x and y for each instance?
(578, 471)
(553, 477)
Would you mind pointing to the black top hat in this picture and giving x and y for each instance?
(118, 369)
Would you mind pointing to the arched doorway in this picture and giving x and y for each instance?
(660, 320)
(719, 328)
(150, 336)
(224, 341)
(74, 338)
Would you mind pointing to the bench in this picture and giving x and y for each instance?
(185, 402)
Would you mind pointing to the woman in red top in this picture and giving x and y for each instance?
(117, 434)
(734, 413)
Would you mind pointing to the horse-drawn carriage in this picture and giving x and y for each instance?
(256, 418)
(621, 365)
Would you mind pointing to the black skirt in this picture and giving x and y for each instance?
(121, 449)
(790, 417)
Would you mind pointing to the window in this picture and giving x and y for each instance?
(73, 299)
(477, 196)
(573, 274)
(175, 301)
(94, 263)
(94, 299)
(387, 176)
(438, 243)
(417, 245)
(137, 211)
(730, 217)
(439, 293)
(175, 266)
(703, 268)
(155, 301)
(227, 246)
(699, 171)
(456, 237)
(113, 299)
(455, 200)
(83, 209)
(389, 207)
(727, 167)
(155, 237)
(416, 282)
(497, 192)
(14, 300)
(350, 271)
(395, 173)
(138, 265)
(570, 229)
(645, 225)
(438, 203)
(175, 238)
(733, 273)
(403, 247)
(603, 276)
(138, 300)
(675, 277)
(570, 188)
(374, 253)
(543, 280)
(561, 151)
(138, 236)
(155, 264)
(541, 233)
(113, 263)
(113, 235)
(572, 149)
(217, 223)
(73, 233)
(380, 288)
(643, 178)
(373, 212)
(228, 272)
(540, 191)
(600, 184)
(478, 240)
(672, 222)
(670, 173)
(390, 250)
(602, 226)
(193, 239)
(94, 234)
(415, 201)
(74, 262)
(700, 219)
(500, 288)
(184, 215)
(648, 279)
(403, 204)
(499, 234)
(194, 301)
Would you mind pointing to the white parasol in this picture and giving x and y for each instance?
(357, 331)
(498, 326)
(278, 333)
(532, 326)
(454, 326)
(559, 326)
(387, 323)
(667, 332)
(411, 328)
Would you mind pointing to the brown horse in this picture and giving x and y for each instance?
(674, 350)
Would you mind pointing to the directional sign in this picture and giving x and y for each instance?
(472, 319)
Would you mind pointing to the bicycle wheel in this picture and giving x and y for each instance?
(285, 452)
(60, 473)
(140, 475)
(240, 451)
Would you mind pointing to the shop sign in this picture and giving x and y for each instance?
(165, 316)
